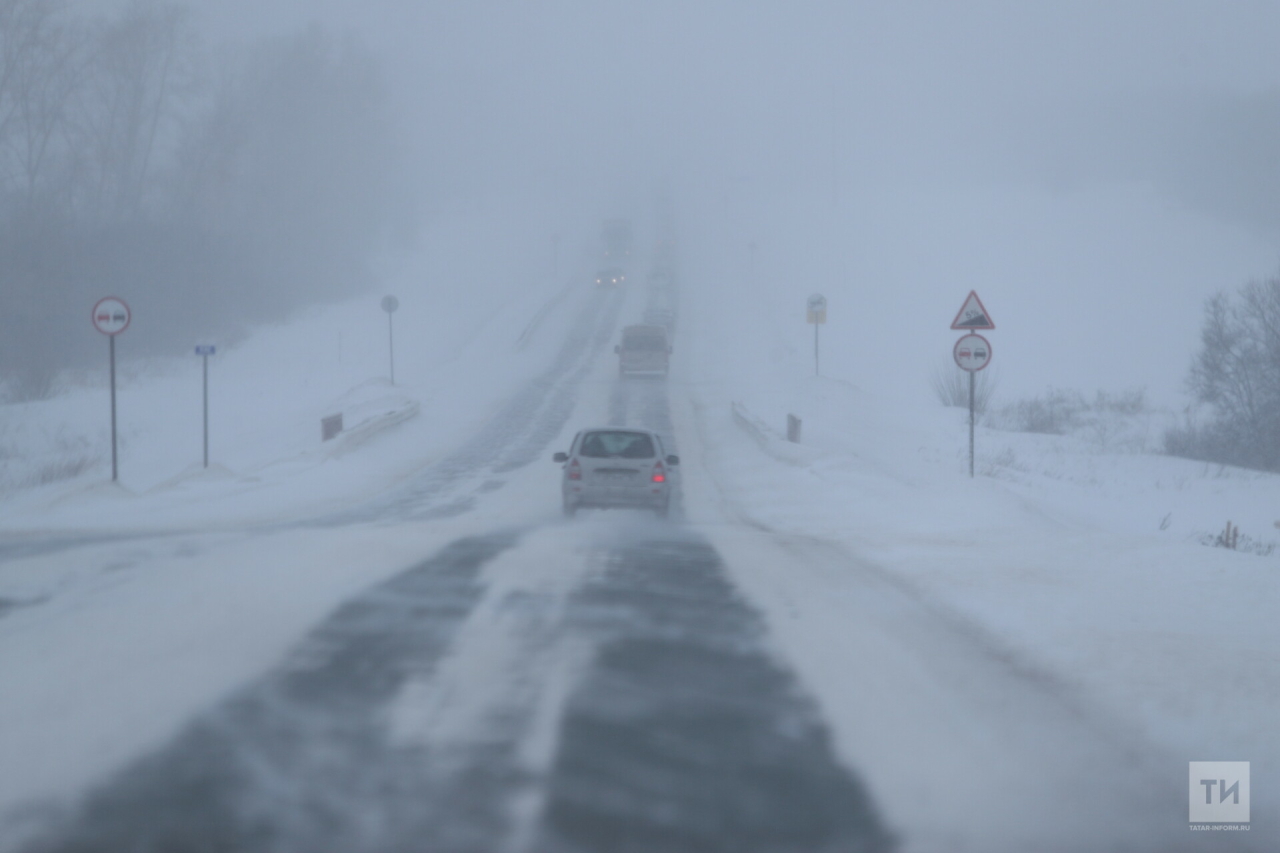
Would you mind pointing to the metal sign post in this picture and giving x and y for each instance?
(390, 304)
(972, 374)
(817, 315)
(111, 316)
(972, 352)
(115, 460)
(204, 352)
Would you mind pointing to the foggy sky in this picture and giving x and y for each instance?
(1139, 138)
(934, 89)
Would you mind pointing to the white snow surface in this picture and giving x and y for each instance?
(465, 340)
(107, 648)
(1078, 564)
(1079, 559)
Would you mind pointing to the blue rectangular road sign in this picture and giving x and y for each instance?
(206, 350)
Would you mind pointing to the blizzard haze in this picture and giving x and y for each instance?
(1094, 169)
(550, 588)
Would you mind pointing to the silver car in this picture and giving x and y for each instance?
(617, 467)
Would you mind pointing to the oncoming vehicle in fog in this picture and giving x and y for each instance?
(614, 467)
(644, 350)
(611, 277)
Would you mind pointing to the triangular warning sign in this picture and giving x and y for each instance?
(972, 315)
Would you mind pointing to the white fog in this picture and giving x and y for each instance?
(631, 550)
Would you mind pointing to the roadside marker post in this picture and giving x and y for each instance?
(111, 316)
(390, 304)
(817, 315)
(204, 352)
(972, 352)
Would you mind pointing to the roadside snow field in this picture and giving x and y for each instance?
(1082, 561)
(158, 602)
(460, 350)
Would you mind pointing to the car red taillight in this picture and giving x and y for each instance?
(574, 471)
(659, 473)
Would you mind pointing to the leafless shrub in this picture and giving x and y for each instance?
(1053, 414)
(1131, 402)
(1061, 411)
(951, 386)
(57, 470)
(29, 382)
(1231, 539)
(36, 455)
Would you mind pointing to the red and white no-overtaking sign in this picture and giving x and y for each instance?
(111, 316)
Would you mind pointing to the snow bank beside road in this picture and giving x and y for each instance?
(267, 396)
(1061, 562)
(131, 639)
(1075, 560)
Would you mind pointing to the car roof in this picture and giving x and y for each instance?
(643, 329)
(646, 432)
(617, 429)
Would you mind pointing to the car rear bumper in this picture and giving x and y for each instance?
(617, 498)
(638, 366)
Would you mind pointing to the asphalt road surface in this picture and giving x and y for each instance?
(676, 729)
(583, 687)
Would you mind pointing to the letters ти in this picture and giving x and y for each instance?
(1223, 790)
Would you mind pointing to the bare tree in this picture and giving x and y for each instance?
(140, 70)
(41, 67)
(1237, 372)
(125, 167)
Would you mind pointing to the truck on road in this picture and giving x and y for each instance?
(644, 350)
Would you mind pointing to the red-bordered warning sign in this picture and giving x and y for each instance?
(973, 315)
(972, 353)
(111, 316)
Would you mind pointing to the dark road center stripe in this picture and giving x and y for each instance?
(301, 761)
(685, 734)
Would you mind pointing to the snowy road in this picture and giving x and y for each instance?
(672, 730)
(571, 687)
(623, 684)
(514, 437)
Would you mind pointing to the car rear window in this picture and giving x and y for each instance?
(645, 342)
(626, 445)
